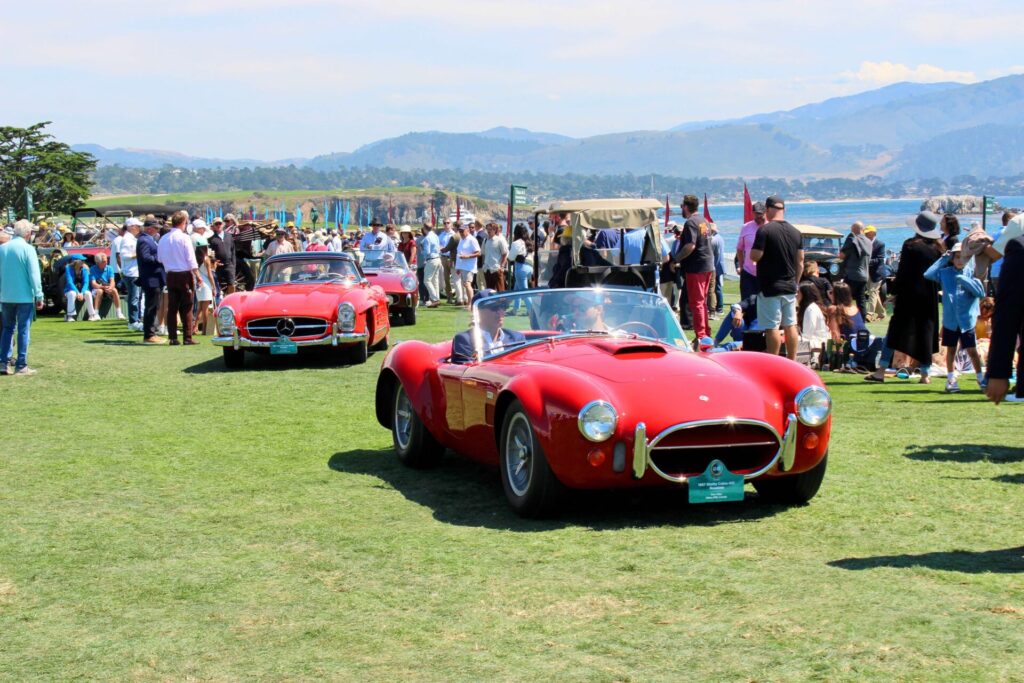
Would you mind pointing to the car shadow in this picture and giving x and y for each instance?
(1004, 561)
(966, 453)
(466, 493)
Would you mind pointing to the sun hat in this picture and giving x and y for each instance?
(230, 217)
(133, 223)
(926, 224)
(405, 228)
(199, 224)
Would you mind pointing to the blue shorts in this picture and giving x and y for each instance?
(776, 311)
(952, 338)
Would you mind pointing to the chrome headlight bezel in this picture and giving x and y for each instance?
(410, 283)
(346, 317)
(833, 268)
(226, 322)
(597, 421)
(813, 406)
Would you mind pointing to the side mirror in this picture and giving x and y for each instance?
(363, 282)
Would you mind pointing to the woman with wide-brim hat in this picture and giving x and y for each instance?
(914, 326)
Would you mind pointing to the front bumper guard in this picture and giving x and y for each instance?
(784, 456)
(335, 338)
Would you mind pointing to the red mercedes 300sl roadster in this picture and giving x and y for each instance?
(390, 271)
(304, 300)
(597, 388)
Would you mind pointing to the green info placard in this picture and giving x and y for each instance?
(283, 347)
(716, 485)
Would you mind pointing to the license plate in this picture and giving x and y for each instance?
(716, 485)
(283, 347)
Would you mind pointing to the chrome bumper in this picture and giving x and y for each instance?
(335, 338)
(784, 456)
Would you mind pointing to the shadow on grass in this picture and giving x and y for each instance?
(466, 493)
(966, 453)
(116, 342)
(1005, 561)
(261, 362)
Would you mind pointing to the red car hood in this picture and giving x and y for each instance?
(670, 383)
(390, 282)
(318, 300)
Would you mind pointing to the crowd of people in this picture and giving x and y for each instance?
(178, 269)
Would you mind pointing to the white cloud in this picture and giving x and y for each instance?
(883, 73)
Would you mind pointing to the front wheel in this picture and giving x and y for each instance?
(530, 486)
(415, 445)
(409, 316)
(793, 490)
(234, 359)
(357, 353)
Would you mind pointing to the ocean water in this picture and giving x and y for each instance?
(888, 215)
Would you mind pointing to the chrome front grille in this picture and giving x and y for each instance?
(271, 328)
(686, 450)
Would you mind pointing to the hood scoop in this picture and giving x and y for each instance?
(628, 349)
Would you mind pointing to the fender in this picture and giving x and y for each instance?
(414, 364)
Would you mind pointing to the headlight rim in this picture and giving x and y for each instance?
(583, 413)
(409, 283)
(227, 329)
(803, 394)
(350, 325)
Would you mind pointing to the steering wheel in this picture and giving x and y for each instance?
(637, 323)
(330, 275)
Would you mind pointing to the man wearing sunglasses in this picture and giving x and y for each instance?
(492, 329)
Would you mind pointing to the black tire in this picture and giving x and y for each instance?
(797, 489)
(415, 446)
(358, 353)
(234, 359)
(530, 486)
(382, 345)
(409, 316)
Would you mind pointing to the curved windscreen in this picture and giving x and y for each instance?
(515, 319)
(306, 270)
(385, 261)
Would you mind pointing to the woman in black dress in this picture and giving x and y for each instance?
(914, 326)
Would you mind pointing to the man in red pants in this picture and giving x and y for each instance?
(697, 262)
(178, 257)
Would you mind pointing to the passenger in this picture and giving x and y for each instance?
(78, 287)
(495, 336)
(741, 318)
(101, 276)
(587, 313)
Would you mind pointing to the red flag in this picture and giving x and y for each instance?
(748, 208)
(433, 215)
(707, 213)
(666, 211)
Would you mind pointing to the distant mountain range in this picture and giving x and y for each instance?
(905, 131)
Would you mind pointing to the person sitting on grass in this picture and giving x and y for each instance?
(742, 317)
(101, 276)
(77, 287)
(961, 292)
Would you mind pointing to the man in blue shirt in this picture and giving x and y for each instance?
(718, 254)
(375, 240)
(103, 284)
(21, 294)
(430, 256)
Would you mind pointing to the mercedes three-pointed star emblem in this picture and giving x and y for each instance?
(286, 327)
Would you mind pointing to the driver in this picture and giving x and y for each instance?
(587, 312)
(495, 336)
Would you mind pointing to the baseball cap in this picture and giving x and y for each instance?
(483, 294)
(775, 202)
(200, 242)
(133, 222)
(758, 207)
(217, 220)
(281, 231)
(151, 223)
(870, 228)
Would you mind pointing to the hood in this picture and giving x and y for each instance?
(389, 281)
(318, 300)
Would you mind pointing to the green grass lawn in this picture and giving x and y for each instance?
(166, 520)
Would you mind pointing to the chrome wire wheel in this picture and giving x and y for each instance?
(403, 419)
(519, 454)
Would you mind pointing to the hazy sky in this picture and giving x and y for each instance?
(269, 79)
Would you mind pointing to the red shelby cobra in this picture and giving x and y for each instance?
(303, 300)
(390, 271)
(597, 388)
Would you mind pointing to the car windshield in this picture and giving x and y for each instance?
(821, 245)
(300, 270)
(384, 261)
(515, 319)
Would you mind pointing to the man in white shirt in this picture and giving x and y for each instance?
(443, 238)
(465, 264)
(495, 258)
(280, 245)
(130, 271)
(376, 240)
(335, 242)
(178, 257)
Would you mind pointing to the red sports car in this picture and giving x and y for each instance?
(303, 300)
(391, 272)
(597, 388)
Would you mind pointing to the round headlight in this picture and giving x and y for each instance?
(834, 268)
(597, 421)
(409, 283)
(226, 320)
(813, 406)
(346, 316)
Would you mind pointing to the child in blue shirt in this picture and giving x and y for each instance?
(961, 294)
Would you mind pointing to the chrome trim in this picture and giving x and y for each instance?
(807, 390)
(642, 449)
(579, 419)
(238, 342)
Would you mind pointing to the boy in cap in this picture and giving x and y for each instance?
(961, 293)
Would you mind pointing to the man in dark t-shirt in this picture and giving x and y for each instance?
(697, 263)
(779, 255)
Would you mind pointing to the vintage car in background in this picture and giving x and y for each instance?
(391, 272)
(822, 245)
(303, 301)
(53, 262)
(593, 388)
